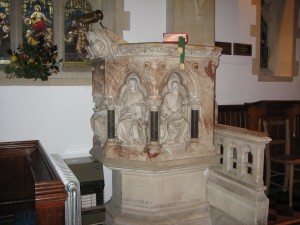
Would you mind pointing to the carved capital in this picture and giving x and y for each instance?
(154, 102)
(194, 102)
(110, 102)
(99, 101)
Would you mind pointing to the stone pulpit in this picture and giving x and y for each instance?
(153, 126)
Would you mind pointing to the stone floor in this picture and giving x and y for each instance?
(279, 211)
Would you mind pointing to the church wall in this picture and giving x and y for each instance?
(235, 83)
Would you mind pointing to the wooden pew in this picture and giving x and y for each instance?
(28, 182)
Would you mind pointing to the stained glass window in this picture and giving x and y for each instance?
(4, 29)
(75, 39)
(37, 20)
(264, 49)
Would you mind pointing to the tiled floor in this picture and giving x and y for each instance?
(279, 211)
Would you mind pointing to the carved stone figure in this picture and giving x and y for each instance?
(101, 42)
(97, 46)
(131, 126)
(174, 124)
(98, 123)
(99, 118)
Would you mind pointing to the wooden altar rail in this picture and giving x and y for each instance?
(28, 182)
(241, 154)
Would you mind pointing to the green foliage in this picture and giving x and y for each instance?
(33, 61)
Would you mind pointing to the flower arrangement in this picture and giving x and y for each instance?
(33, 61)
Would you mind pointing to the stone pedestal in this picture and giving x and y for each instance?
(248, 205)
(170, 193)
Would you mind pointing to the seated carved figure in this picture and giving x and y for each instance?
(174, 125)
(132, 115)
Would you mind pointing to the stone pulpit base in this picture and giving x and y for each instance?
(156, 193)
(153, 125)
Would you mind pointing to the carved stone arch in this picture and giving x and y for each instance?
(188, 78)
(165, 80)
(174, 77)
(144, 77)
(137, 77)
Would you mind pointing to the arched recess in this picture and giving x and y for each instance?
(282, 31)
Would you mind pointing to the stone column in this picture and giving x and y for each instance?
(110, 119)
(195, 106)
(154, 102)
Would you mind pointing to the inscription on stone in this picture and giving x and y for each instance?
(142, 203)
